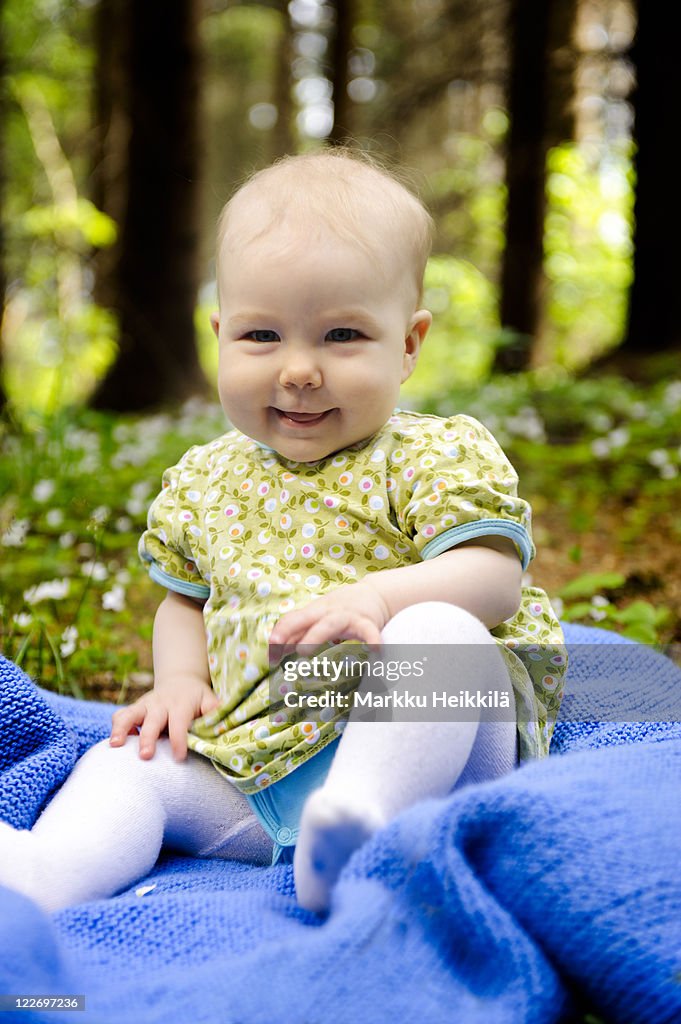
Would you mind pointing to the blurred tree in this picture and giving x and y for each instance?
(426, 82)
(654, 317)
(422, 53)
(111, 133)
(339, 53)
(539, 103)
(282, 133)
(156, 277)
(3, 273)
(247, 100)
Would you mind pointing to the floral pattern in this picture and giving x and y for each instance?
(256, 535)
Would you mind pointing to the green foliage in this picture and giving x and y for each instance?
(76, 605)
(78, 226)
(57, 342)
(581, 446)
(588, 250)
(48, 48)
(639, 620)
(587, 240)
(590, 583)
(465, 325)
(470, 193)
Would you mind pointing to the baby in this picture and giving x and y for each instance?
(323, 516)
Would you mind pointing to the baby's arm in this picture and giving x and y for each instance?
(182, 690)
(483, 577)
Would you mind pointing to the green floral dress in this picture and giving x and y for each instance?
(256, 535)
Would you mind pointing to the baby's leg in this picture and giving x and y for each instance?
(105, 827)
(382, 767)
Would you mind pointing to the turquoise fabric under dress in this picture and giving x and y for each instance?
(278, 807)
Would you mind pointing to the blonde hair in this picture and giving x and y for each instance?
(339, 189)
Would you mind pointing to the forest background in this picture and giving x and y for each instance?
(538, 133)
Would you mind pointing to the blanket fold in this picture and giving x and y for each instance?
(531, 900)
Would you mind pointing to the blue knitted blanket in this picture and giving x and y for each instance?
(549, 894)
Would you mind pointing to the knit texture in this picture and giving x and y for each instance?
(37, 749)
(529, 900)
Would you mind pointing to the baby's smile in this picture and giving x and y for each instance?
(301, 419)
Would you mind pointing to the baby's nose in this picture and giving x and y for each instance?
(300, 370)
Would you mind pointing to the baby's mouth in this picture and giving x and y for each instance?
(302, 418)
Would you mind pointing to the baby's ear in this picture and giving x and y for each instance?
(418, 328)
(215, 323)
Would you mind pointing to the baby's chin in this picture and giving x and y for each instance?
(302, 449)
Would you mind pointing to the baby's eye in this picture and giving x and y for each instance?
(342, 334)
(264, 336)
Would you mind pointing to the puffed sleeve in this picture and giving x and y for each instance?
(171, 544)
(453, 483)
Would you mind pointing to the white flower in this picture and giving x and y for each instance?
(95, 570)
(68, 644)
(601, 448)
(55, 590)
(142, 489)
(672, 395)
(55, 517)
(114, 600)
(619, 437)
(15, 535)
(598, 605)
(23, 620)
(658, 457)
(44, 490)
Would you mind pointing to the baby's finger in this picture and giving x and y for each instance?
(333, 626)
(209, 703)
(124, 721)
(178, 726)
(154, 724)
(287, 633)
(336, 627)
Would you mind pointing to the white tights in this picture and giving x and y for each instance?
(105, 827)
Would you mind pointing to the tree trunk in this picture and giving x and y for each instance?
(540, 94)
(654, 320)
(282, 133)
(157, 272)
(3, 272)
(112, 105)
(339, 50)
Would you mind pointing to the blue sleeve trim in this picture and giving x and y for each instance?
(482, 528)
(184, 587)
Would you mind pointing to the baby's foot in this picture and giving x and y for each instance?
(331, 829)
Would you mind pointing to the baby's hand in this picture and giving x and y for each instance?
(353, 612)
(170, 706)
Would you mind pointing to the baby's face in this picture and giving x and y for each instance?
(314, 341)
